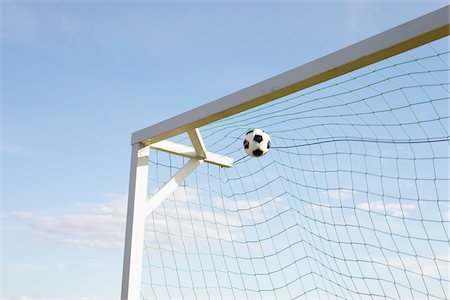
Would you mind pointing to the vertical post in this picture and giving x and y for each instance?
(135, 227)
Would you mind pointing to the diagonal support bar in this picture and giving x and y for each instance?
(170, 186)
(197, 142)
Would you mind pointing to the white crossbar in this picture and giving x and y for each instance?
(412, 34)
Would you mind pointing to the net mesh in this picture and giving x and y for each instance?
(351, 202)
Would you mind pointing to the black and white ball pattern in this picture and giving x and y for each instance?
(256, 142)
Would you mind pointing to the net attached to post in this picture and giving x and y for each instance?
(352, 201)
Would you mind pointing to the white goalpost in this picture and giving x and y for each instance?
(351, 202)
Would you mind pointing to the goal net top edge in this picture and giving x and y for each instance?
(417, 32)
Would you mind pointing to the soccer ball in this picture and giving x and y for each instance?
(256, 143)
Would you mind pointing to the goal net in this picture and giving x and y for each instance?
(351, 202)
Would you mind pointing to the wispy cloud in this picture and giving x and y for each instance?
(15, 149)
(392, 209)
(25, 267)
(437, 267)
(52, 267)
(182, 214)
(218, 218)
(96, 225)
(338, 194)
(99, 226)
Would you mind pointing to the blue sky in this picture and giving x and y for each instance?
(77, 78)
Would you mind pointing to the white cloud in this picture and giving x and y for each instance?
(39, 267)
(446, 216)
(99, 226)
(203, 222)
(103, 225)
(338, 194)
(96, 225)
(18, 214)
(111, 195)
(16, 149)
(392, 209)
(437, 267)
(25, 267)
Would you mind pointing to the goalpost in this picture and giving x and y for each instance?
(351, 202)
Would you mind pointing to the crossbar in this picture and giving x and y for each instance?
(402, 38)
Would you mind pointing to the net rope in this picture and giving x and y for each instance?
(352, 201)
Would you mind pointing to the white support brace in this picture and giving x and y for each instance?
(197, 142)
(170, 186)
(198, 155)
